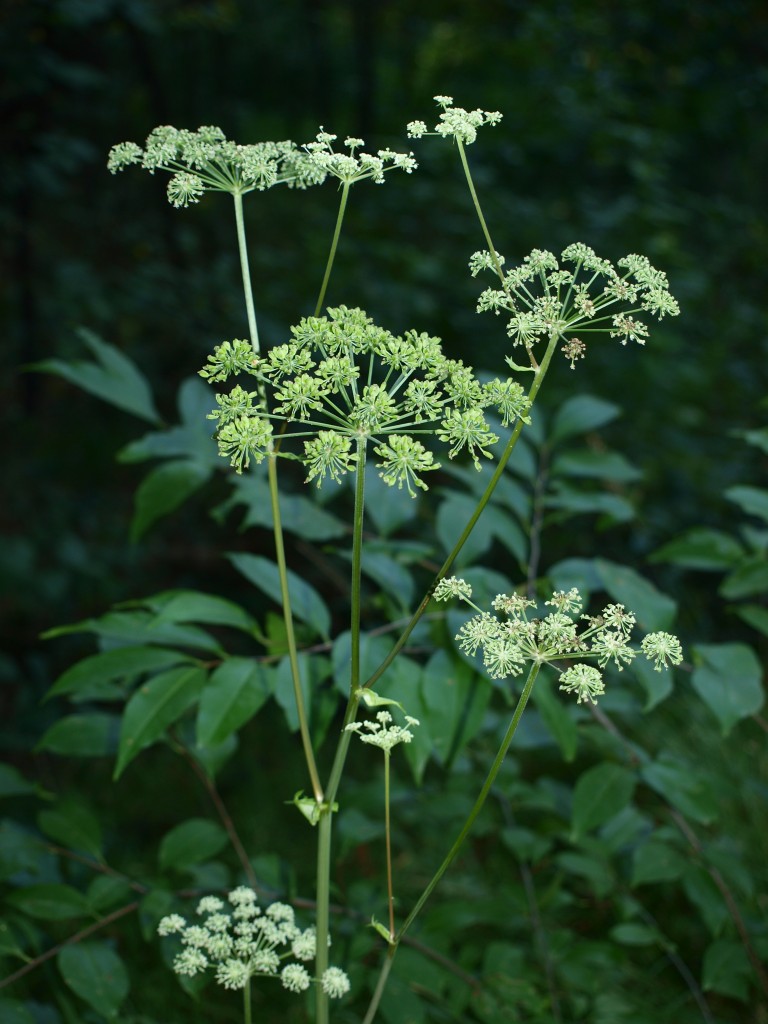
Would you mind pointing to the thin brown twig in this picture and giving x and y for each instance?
(78, 937)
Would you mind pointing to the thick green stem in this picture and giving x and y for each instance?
(325, 824)
(451, 855)
(446, 566)
(306, 741)
(334, 244)
(247, 289)
(247, 1003)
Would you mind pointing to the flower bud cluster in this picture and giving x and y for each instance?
(206, 161)
(589, 295)
(240, 942)
(383, 732)
(509, 638)
(455, 122)
(342, 383)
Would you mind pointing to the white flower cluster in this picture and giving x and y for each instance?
(544, 300)
(508, 639)
(206, 161)
(241, 942)
(343, 382)
(383, 733)
(455, 122)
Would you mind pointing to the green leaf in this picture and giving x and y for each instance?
(20, 851)
(706, 897)
(95, 973)
(137, 628)
(728, 677)
(726, 969)
(747, 579)
(299, 514)
(688, 791)
(656, 861)
(114, 378)
(190, 843)
(631, 933)
(587, 502)
(556, 717)
(581, 414)
(452, 516)
(73, 825)
(306, 604)
(163, 490)
(90, 735)
(701, 548)
(654, 610)
(385, 506)
(13, 783)
(156, 705)
(12, 1011)
(320, 702)
(373, 650)
(597, 465)
(454, 703)
(755, 616)
(752, 500)
(95, 673)
(234, 693)
(393, 578)
(600, 793)
(657, 685)
(107, 890)
(196, 606)
(191, 439)
(757, 438)
(49, 902)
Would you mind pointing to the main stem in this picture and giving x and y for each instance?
(325, 824)
(247, 288)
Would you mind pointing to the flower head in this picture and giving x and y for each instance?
(382, 732)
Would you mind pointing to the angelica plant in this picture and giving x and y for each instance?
(341, 392)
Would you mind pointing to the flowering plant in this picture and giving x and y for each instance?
(342, 392)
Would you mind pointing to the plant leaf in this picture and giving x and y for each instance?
(306, 603)
(600, 793)
(162, 490)
(195, 840)
(234, 693)
(728, 677)
(95, 973)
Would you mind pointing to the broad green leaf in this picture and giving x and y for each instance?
(306, 603)
(163, 489)
(114, 378)
(190, 843)
(49, 901)
(657, 861)
(234, 693)
(94, 734)
(581, 414)
(190, 440)
(453, 515)
(385, 506)
(556, 717)
(755, 616)
(20, 851)
(402, 682)
(95, 672)
(654, 610)
(726, 969)
(701, 548)
(74, 826)
(757, 438)
(707, 898)
(594, 869)
(632, 933)
(596, 465)
(587, 502)
(95, 973)
(728, 677)
(321, 702)
(600, 793)
(156, 705)
(657, 685)
(13, 783)
(299, 514)
(688, 791)
(748, 579)
(393, 578)
(576, 572)
(12, 1011)
(455, 702)
(137, 628)
(752, 500)
(195, 606)
(107, 890)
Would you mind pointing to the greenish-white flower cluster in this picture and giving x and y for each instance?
(580, 293)
(455, 122)
(383, 732)
(515, 633)
(343, 383)
(239, 941)
(206, 161)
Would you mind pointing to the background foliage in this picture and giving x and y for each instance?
(630, 128)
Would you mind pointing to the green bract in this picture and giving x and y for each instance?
(341, 383)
